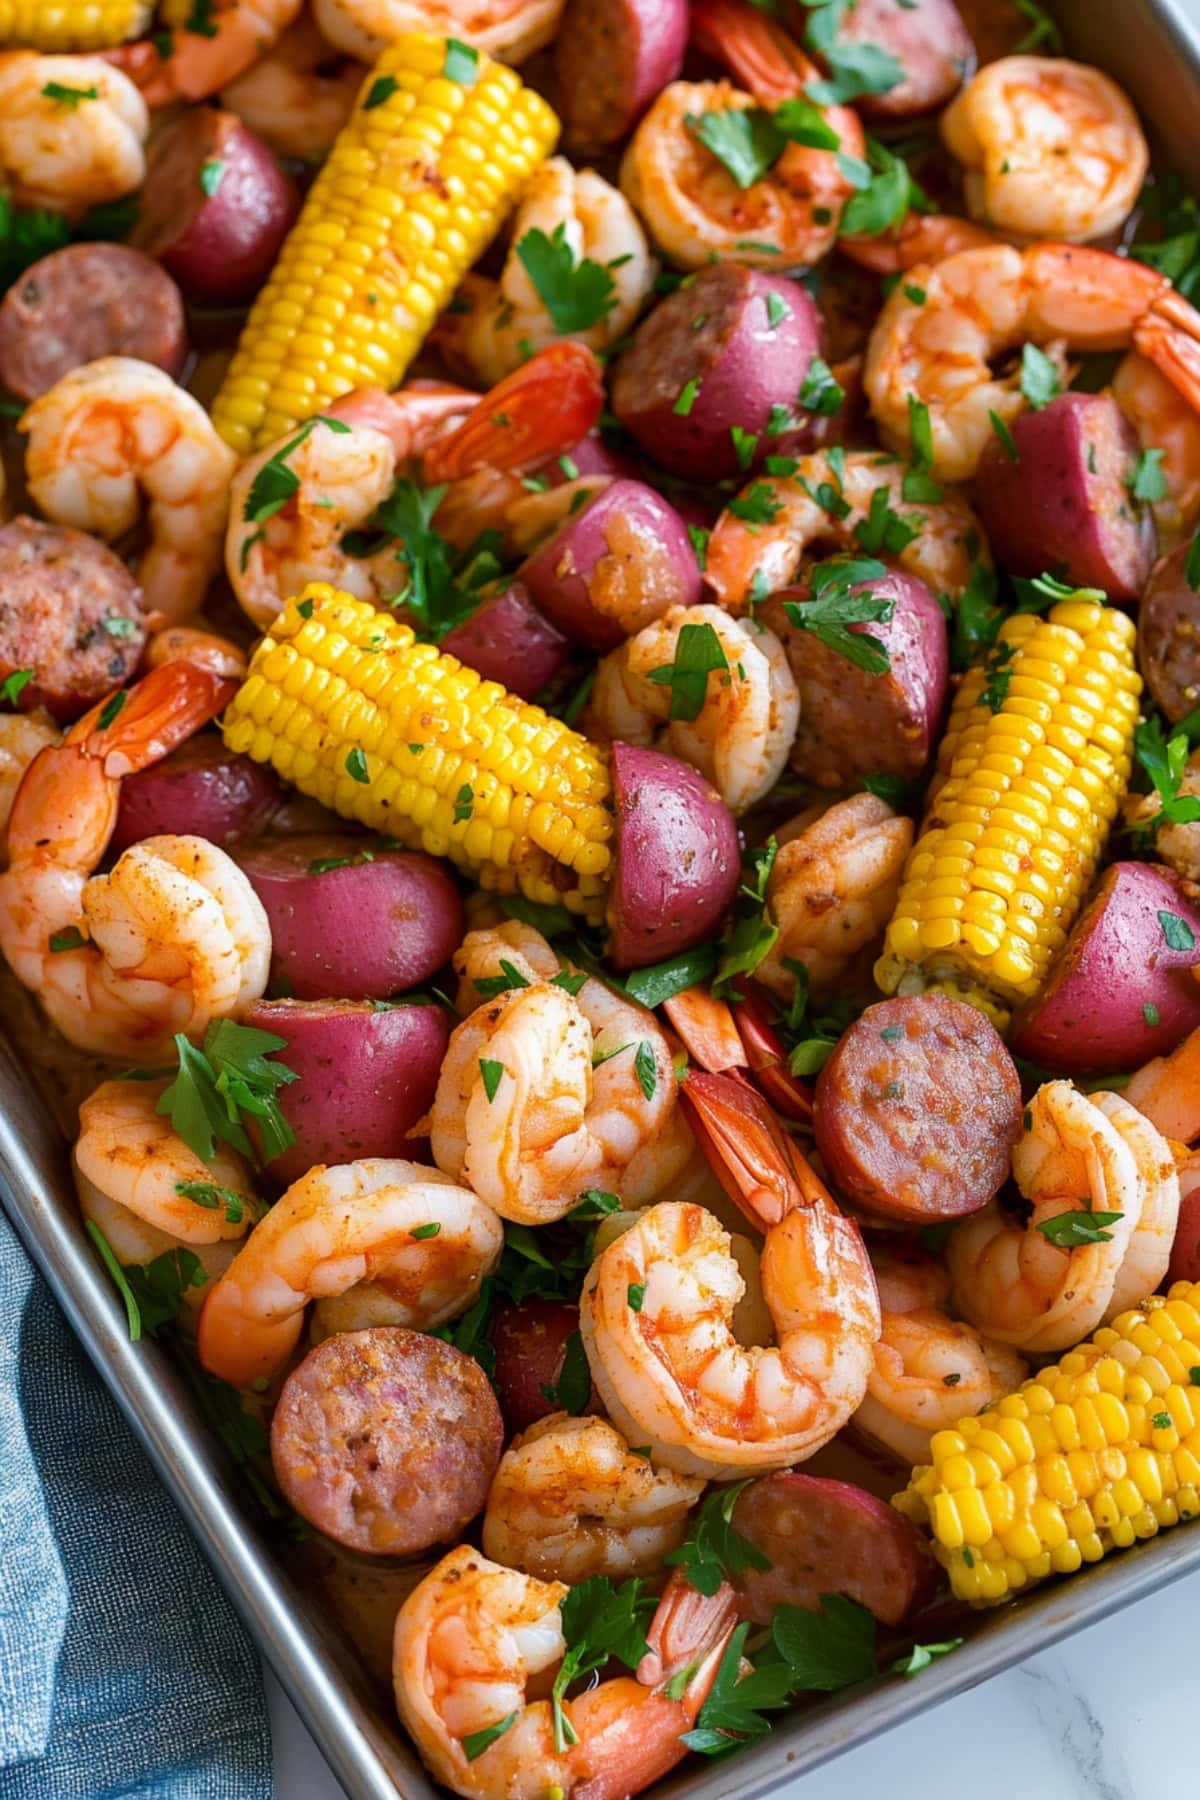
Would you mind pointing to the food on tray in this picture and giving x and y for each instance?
(601, 764)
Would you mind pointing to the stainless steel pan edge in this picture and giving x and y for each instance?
(1153, 47)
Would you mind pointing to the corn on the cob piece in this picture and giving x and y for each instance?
(1086, 1457)
(344, 703)
(71, 24)
(416, 186)
(1030, 773)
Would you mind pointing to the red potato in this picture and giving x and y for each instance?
(1122, 990)
(350, 919)
(366, 1073)
(509, 641)
(387, 1440)
(916, 1111)
(1065, 499)
(202, 788)
(84, 302)
(725, 350)
(853, 723)
(1185, 1251)
(590, 456)
(215, 206)
(829, 1537)
(611, 57)
(530, 1340)
(614, 567)
(926, 37)
(1168, 638)
(677, 862)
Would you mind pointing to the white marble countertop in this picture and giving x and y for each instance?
(1105, 1716)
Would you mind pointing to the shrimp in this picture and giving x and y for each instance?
(207, 649)
(332, 1230)
(483, 952)
(1164, 420)
(113, 430)
(543, 1093)
(22, 735)
(939, 349)
(511, 30)
(831, 892)
(299, 95)
(79, 150)
(745, 557)
(1051, 148)
(174, 935)
(192, 64)
(737, 730)
(148, 1192)
(1166, 1091)
(918, 238)
(472, 1636)
(505, 319)
(692, 205)
(477, 447)
(657, 1307)
(1079, 1153)
(571, 1499)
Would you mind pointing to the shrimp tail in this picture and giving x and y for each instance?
(757, 51)
(1169, 336)
(537, 412)
(687, 1625)
(750, 1153)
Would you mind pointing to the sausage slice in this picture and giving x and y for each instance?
(83, 302)
(70, 611)
(387, 1440)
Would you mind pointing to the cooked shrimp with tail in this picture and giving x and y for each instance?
(174, 935)
(473, 1637)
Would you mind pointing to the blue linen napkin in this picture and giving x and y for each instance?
(124, 1671)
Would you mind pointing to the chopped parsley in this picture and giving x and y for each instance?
(380, 91)
(833, 610)
(646, 1070)
(1072, 1230)
(356, 766)
(14, 685)
(635, 1294)
(461, 63)
(212, 174)
(1164, 761)
(577, 295)
(698, 654)
(492, 1073)
(686, 398)
(1177, 933)
(220, 1087)
(70, 97)
(275, 483)
(757, 506)
(714, 1548)
(820, 393)
(1004, 436)
(1146, 480)
(1039, 377)
(888, 194)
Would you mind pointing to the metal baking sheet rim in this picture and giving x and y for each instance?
(1154, 47)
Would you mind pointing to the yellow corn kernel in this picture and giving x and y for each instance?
(418, 183)
(345, 705)
(72, 24)
(1089, 1470)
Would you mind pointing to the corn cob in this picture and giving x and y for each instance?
(1030, 773)
(416, 186)
(344, 703)
(1086, 1457)
(71, 24)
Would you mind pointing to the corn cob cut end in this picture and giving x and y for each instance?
(1032, 768)
(64, 25)
(418, 183)
(347, 706)
(1088, 1456)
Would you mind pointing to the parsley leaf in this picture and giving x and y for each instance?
(827, 1650)
(573, 1389)
(854, 70)
(1146, 480)
(599, 1621)
(476, 1742)
(69, 97)
(381, 90)
(212, 174)
(888, 195)
(921, 1655)
(744, 140)
(1039, 377)
(492, 1073)
(820, 393)
(754, 932)
(275, 483)
(1177, 933)
(698, 654)
(883, 528)
(999, 676)
(488, 986)
(714, 1548)
(646, 1070)
(757, 506)
(155, 1294)
(461, 63)
(1164, 763)
(661, 981)
(731, 1715)
(221, 1085)
(1071, 1230)
(577, 295)
(13, 685)
(833, 610)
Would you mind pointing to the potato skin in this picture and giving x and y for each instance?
(750, 352)
(203, 788)
(530, 1341)
(1066, 500)
(508, 640)
(1185, 1251)
(824, 1536)
(365, 1076)
(610, 59)
(1118, 993)
(677, 865)
(853, 723)
(617, 565)
(380, 922)
(219, 244)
